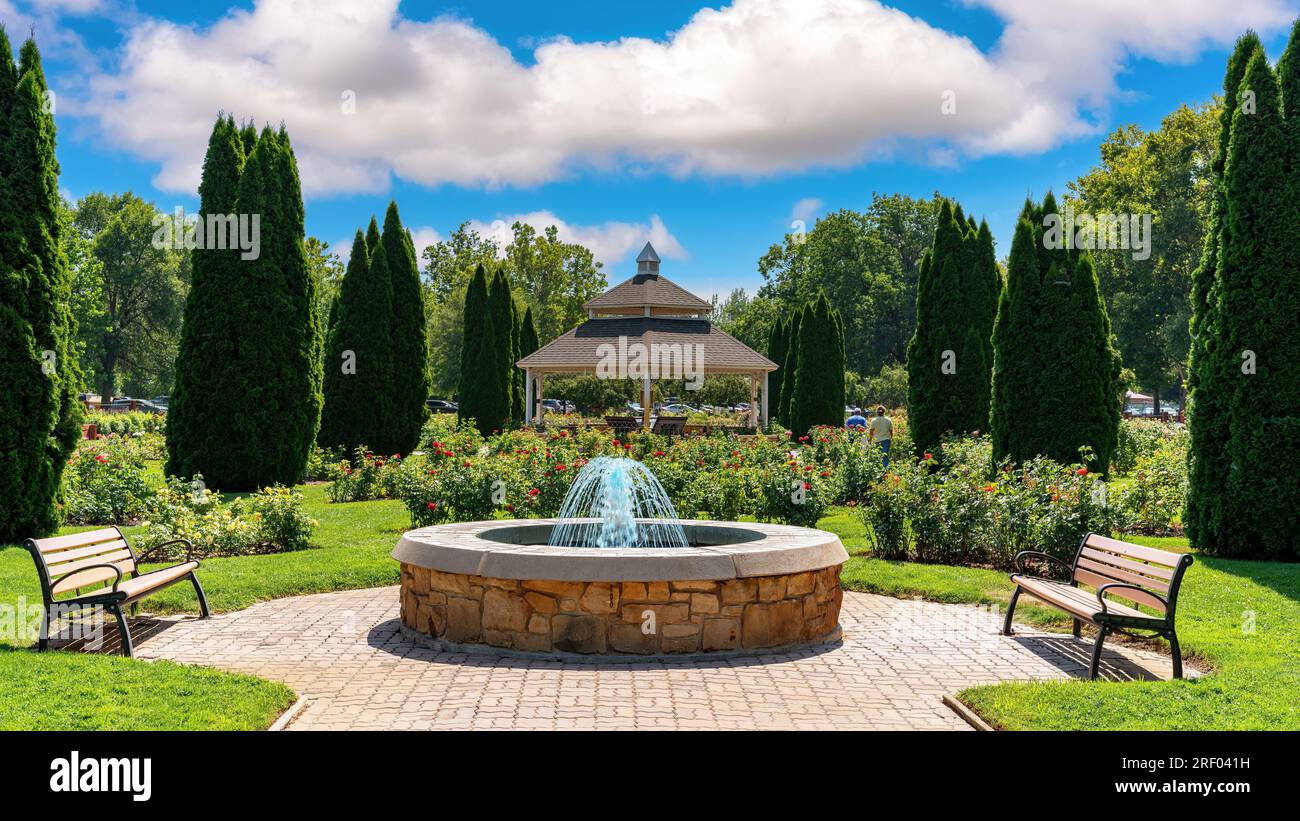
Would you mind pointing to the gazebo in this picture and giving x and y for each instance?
(638, 327)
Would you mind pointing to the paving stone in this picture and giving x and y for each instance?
(343, 651)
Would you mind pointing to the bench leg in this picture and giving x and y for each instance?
(1096, 651)
(43, 638)
(203, 600)
(127, 649)
(1011, 611)
(1078, 628)
(1178, 656)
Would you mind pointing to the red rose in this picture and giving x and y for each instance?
(533, 491)
(1082, 471)
(466, 463)
(929, 455)
(432, 505)
(990, 488)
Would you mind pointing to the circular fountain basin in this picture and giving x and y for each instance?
(738, 588)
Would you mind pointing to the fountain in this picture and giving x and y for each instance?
(619, 575)
(617, 502)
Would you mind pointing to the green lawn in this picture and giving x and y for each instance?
(1254, 684)
(1256, 675)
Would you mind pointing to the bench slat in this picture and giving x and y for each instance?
(121, 558)
(1120, 575)
(1137, 551)
(55, 561)
(86, 579)
(89, 537)
(1137, 596)
(1159, 571)
(1076, 601)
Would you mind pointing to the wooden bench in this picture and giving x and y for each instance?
(1141, 575)
(622, 425)
(103, 563)
(670, 426)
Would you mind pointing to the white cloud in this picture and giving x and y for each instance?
(423, 237)
(805, 210)
(610, 242)
(757, 87)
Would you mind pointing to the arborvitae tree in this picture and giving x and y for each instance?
(528, 344)
(777, 347)
(791, 367)
(271, 405)
(949, 359)
(39, 411)
(1208, 423)
(471, 393)
(410, 349)
(1055, 372)
(373, 237)
(202, 402)
(290, 424)
(358, 376)
(501, 304)
(818, 397)
(490, 390)
(1250, 365)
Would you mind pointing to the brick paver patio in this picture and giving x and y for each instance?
(343, 652)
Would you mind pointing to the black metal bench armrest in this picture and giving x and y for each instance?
(189, 550)
(75, 573)
(1101, 595)
(1038, 553)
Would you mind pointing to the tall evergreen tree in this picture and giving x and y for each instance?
(528, 344)
(39, 412)
(203, 398)
(358, 375)
(791, 367)
(1055, 372)
(269, 387)
(472, 393)
(1250, 364)
(410, 348)
(501, 304)
(1208, 424)
(949, 359)
(818, 397)
(777, 346)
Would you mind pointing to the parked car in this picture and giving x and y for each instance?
(634, 408)
(161, 401)
(558, 405)
(441, 405)
(124, 404)
(679, 409)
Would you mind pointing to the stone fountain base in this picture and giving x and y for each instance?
(739, 588)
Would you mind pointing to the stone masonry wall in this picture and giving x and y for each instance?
(615, 617)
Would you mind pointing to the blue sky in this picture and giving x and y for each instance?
(709, 131)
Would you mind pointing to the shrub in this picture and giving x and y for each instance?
(1153, 502)
(947, 510)
(365, 478)
(105, 484)
(127, 422)
(271, 520)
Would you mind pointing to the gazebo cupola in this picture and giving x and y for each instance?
(647, 294)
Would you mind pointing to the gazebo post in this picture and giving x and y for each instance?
(541, 389)
(528, 396)
(645, 402)
(762, 421)
(753, 400)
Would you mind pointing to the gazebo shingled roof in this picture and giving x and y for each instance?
(649, 310)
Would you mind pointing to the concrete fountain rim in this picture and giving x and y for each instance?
(730, 550)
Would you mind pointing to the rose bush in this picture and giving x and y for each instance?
(106, 483)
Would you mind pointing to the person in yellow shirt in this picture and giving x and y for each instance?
(881, 430)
